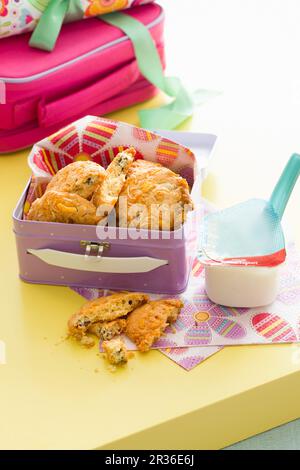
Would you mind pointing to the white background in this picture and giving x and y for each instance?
(250, 50)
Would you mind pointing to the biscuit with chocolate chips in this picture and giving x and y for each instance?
(81, 178)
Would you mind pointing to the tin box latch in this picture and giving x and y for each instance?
(94, 249)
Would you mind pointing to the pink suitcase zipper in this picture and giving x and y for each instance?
(92, 71)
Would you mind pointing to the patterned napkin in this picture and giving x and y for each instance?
(203, 323)
(203, 327)
(186, 357)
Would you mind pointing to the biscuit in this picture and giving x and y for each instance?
(154, 197)
(104, 309)
(107, 193)
(80, 178)
(147, 323)
(87, 342)
(116, 351)
(55, 206)
(108, 329)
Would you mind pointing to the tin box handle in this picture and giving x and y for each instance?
(61, 259)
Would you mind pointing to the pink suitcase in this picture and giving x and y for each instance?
(92, 70)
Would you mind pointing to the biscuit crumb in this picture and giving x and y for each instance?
(87, 342)
(116, 351)
(111, 368)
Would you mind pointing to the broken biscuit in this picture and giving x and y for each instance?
(108, 330)
(147, 323)
(104, 309)
(106, 195)
(116, 351)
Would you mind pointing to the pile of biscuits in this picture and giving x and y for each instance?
(133, 313)
(84, 192)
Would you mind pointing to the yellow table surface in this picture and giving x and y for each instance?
(55, 394)
(50, 393)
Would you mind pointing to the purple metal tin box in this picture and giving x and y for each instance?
(74, 255)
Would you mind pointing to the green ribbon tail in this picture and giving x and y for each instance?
(168, 116)
(48, 28)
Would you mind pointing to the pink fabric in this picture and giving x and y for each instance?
(25, 137)
(75, 39)
(102, 82)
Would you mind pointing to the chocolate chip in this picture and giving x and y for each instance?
(83, 323)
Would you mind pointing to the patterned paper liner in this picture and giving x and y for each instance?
(99, 140)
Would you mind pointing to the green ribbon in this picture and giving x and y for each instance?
(49, 25)
(168, 116)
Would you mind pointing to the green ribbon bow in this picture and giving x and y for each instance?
(166, 117)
